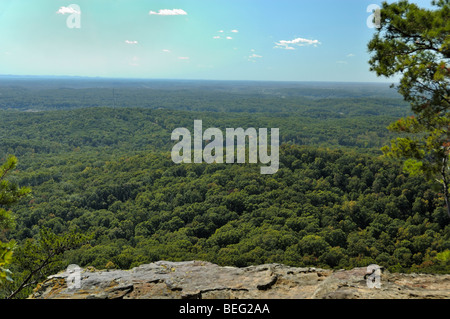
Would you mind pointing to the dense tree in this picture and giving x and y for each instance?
(39, 258)
(10, 193)
(414, 43)
(108, 172)
(304, 215)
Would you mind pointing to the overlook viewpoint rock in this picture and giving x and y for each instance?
(204, 280)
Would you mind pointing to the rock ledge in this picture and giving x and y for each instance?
(204, 280)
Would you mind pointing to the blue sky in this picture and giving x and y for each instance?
(278, 40)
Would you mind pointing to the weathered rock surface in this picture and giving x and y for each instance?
(203, 280)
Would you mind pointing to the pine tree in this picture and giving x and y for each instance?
(10, 193)
(414, 43)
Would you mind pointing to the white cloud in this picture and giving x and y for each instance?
(166, 50)
(299, 42)
(341, 62)
(351, 55)
(254, 56)
(68, 10)
(131, 42)
(183, 58)
(225, 35)
(168, 12)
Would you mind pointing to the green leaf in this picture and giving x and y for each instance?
(413, 167)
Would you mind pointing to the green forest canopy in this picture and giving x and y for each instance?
(106, 171)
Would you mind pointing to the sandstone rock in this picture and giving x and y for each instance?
(203, 280)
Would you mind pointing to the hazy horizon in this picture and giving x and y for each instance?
(81, 77)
